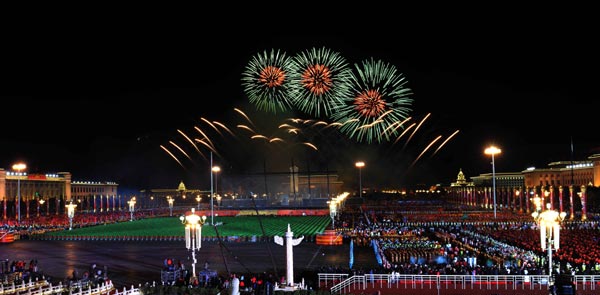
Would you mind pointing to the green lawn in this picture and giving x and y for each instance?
(242, 226)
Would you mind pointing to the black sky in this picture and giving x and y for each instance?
(99, 100)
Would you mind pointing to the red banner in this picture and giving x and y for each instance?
(36, 176)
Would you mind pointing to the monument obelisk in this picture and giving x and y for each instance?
(290, 242)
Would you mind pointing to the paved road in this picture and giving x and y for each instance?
(131, 263)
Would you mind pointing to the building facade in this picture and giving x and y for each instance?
(564, 185)
(26, 195)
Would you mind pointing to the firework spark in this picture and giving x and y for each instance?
(404, 132)
(417, 128)
(172, 156)
(224, 127)
(181, 150)
(424, 150)
(319, 81)
(205, 136)
(212, 125)
(378, 92)
(189, 140)
(266, 81)
(444, 142)
(396, 125)
(245, 116)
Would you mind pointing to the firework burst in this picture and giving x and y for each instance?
(319, 81)
(266, 81)
(379, 99)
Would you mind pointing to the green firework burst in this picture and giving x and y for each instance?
(319, 81)
(378, 103)
(266, 81)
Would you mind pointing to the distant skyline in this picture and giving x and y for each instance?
(101, 107)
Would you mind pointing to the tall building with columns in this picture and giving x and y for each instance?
(38, 194)
(565, 185)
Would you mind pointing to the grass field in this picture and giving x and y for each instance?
(241, 226)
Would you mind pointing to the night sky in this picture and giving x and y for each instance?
(99, 101)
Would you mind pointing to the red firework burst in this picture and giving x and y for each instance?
(272, 76)
(317, 79)
(369, 103)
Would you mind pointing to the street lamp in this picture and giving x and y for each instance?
(170, 201)
(193, 235)
(131, 203)
(40, 202)
(492, 150)
(19, 167)
(332, 212)
(215, 170)
(198, 199)
(360, 165)
(71, 213)
(519, 200)
(549, 222)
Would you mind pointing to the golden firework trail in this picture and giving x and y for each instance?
(334, 124)
(348, 121)
(425, 149)
(384, 114)
(224, 127)
(259, 136)
(398, 123)
(246, 127)
(370, 124)
(276, 139)
(444, 142)
(245, 116)
(404, 132)
(212, 125)
(203, 134)
(210, 147)
(310, 145)
(190, 140)
(172, 156)
(181, 150)
(415, 131)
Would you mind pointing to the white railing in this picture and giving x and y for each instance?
(586, 282)
(45, 290)
(352, 283)
(103, 289)
(341, 284)
(132, 291)
(16, 288)
(331, 279)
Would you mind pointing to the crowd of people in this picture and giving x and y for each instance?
(440, 238)
(419, 237)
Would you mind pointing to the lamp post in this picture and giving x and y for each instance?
(215, 170)
(19, 167)
(170, 201)
(360, 165)
(332, 212)
(549, 222)
(218, 202)
(198, 199)
(193, 235)
(40, 202)
(131, 203)
(71, 213)
(492, 150)
(518, 199)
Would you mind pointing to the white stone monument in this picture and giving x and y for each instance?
(289, 255)
(235, 285)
